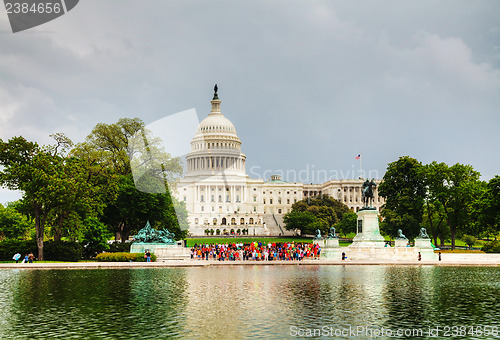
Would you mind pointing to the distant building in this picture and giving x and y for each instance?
(222, 199)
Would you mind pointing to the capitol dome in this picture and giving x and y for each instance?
(216, 123)
(216, 146)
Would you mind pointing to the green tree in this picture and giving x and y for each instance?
(29, 168)
(455, 187)
(434, 221)
(304, 221)
(326, 210)
(13, 224)
(116, 147)
(347, 224)
(132, 208)
(94, 237)
(469, 240)
(487, 208)
(404, 191)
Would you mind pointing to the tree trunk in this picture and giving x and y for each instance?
(57, 235)
(58, 231)
(39, 231)
(125, 234)
(453, 231)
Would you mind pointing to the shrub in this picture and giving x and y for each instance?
(118, 247)
(492, 247)
(469, 240)
(62, 251)
(123, 257)
(10, 247)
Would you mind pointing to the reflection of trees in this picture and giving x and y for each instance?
(432, 296)
(91, 303)
(407, 293)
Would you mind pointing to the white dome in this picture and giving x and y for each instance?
(216, 123)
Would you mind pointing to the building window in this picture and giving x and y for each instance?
(196, 221)
(212, 189)
(237, 198)
(270, 201)
(264, 201)
(213, 208)
(242, 220)
(254, 209)
(255, 198)
(287, 201)
(238, 189)
(202, 208)
(220, 198)
(213, 198)
(215, 221)
(202, 198)
(279, 211)
(184, 198)
(227, 198)
(279, 200)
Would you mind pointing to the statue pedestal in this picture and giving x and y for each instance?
(399, 243)
(368, 232)
(162, 251)
(423, 243)
(424, 246)
(320, 242)
(331, 250)
(332, 243)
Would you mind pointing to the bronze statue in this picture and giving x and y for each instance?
(318, 235)
(401, 236)
(331, 234)
(423, 233)
(150, 235)
(216, 88)
(368, 193)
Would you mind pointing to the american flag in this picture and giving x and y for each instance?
(358, 157)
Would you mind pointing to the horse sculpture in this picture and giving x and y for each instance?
(368, 193)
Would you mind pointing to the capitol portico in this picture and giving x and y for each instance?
(222, 199)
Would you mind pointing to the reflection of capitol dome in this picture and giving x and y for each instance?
(215, 146)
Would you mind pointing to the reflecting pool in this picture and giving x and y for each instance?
(234, 302)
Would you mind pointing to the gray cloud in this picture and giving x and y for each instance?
(301, 81)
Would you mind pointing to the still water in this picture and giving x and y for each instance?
(270, 302)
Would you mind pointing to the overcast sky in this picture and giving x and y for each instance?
(307, 84)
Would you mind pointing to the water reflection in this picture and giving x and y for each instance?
(242, 301)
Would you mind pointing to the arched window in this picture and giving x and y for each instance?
(215, 221)
(223, 221)
(251, 220)
(233, 221)
(196, 221)
(242, 220)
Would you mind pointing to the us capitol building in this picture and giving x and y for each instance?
(222, 199)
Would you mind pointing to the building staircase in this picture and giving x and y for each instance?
(275, 225)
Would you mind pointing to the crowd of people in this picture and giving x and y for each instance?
(256, 251)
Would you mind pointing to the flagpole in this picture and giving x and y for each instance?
(360, 165)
